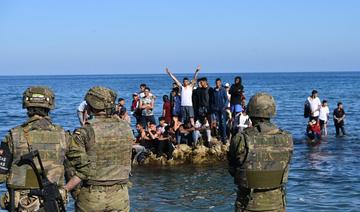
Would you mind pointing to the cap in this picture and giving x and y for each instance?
(135, 94)
(227, 85)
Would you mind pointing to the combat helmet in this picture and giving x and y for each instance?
(39, 96)
(100, 98)
(261, 105)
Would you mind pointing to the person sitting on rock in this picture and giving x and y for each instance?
(202, 126)
(153, 136)
(186, 131)
(164, 144)
(138, 150)
(143, 137)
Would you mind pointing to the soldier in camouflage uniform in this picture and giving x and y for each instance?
(259, 159)
(37, 133)
(100, 151)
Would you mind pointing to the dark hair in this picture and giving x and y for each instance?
(165, 98)
(339, 103)
(176, 89)
(314, 92)
(217, 79)
(161, 118)
(324, 101)
(143, 85)
(203, 79)
(238, 78)
(185, 78)
(121, 99)
(147, 88)
(41, 111)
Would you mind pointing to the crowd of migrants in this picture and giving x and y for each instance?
(193, 113)
(319, 115)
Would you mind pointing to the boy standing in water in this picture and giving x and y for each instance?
(339, 116)
(324, 117)
(315, 105)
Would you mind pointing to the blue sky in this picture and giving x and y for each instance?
(94, 37)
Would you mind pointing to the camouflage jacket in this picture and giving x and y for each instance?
(100, 151)
(259, 157)
(50, 140)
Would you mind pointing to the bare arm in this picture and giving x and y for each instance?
(173, 77)
(73, 182)
(193, 82)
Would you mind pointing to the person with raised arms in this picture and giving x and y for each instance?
(187, 110)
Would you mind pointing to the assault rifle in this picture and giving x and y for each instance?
(48, 191)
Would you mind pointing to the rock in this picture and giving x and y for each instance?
(184, 154)
(199, 154)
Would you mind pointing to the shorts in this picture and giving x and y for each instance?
(187, 112)
(236, 108)
(176, 112)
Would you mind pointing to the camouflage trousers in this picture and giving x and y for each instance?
(271, 200)
(103, 198)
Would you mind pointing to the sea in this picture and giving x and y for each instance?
(323, 177)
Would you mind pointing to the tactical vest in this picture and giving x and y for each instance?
(267, 159)
(110, 154)
(51, 144)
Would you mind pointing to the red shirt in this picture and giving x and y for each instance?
(315, 128)
(167, 108)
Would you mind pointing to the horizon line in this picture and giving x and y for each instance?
(109, 74)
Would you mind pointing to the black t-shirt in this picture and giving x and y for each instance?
(339, 114)
(236, 91)
(203, 97)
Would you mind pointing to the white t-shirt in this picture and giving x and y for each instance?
(142, 94)
(314, 104)
(229, 97)
(82, 106)
(324, 113)
(186, 95)
(242, 121)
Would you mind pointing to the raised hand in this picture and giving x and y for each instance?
(198, 68)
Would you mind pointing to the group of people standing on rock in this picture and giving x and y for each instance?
(192, 114)
(95, 159)
(319, 115)
(98, 154)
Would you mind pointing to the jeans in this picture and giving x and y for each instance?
(221, 119)
(197, 135)
(339, 127)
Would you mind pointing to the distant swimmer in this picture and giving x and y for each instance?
(259, 159)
